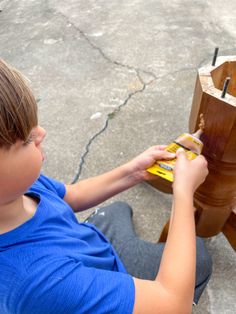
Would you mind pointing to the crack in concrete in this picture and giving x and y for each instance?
(138, 72)
(101, 52)
(91, 140)
(111, 115)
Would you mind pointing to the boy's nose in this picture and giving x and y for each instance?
(42, 131)
(41, 135)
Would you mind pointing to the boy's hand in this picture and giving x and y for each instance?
(189, 174)
(139, 164)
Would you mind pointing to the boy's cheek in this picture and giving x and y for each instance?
(18, 174)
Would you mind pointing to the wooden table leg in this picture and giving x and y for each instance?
(216, 100)
(164, 232)
(229, 229)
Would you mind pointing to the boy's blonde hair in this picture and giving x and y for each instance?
(18, 107)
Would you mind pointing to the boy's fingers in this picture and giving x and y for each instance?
(163, 154)
(202, 158)
(168, 154)
(158, 147)
(180, 153)
(162, 147)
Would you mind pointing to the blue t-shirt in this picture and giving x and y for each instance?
(53, 264)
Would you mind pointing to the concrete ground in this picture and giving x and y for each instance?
(113, 78)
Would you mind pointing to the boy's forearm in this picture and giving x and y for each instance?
(90, 192)
(177, 270)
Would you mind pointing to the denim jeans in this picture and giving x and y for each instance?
(141, 258)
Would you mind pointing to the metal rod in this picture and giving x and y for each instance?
(225, 87)
(215, 56)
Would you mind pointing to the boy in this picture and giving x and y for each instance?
(50, 263)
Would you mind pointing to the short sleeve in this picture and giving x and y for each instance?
(72, 288)
(52, 185)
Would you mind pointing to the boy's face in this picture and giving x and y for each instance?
(20, 166)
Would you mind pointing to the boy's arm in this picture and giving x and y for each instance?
(173, 289)
(90, 192)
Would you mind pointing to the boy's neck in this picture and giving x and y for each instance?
(16, 213)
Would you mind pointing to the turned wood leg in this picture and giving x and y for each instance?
(164, 232)
(229, 229)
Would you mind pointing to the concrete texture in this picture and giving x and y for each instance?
(113, 78)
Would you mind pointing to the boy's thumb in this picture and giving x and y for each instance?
(180, 152)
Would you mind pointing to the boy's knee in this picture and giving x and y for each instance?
(122, 207)
(204, 260)
(116, 210)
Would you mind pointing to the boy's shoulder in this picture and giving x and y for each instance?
(45, 183)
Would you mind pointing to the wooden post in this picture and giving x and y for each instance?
(216, 197)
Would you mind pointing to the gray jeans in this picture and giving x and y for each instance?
(141, 258)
